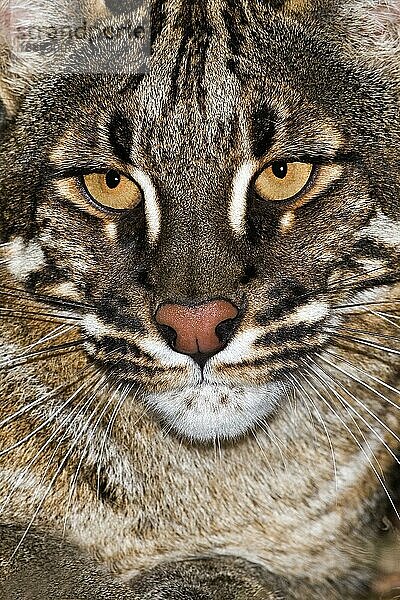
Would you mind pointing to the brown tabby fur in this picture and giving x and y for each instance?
(103, 493)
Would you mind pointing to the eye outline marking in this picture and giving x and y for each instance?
(83, 199)
(316, 168)
(82, 187)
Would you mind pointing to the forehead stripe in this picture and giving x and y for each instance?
(152, 209)
(238, 205)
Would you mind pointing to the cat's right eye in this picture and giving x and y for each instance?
(113, 190)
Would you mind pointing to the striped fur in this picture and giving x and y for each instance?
(276, 463)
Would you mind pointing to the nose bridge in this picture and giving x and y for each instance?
(192, 255)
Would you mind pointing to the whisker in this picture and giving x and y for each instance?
(362, 304)
(37, 316)
(46, 397)
(45, 423)
(65, 348)
(380, 313)
(56, 333)
(274, 440)
(124, 395)
(362, 332)
(78, 412)
(384, 317)
(360, 381)
(367, 343)
(74, 480)
(359, 445)
(321, 420)
(341, 401)
(371, 413)
(40, 451)
(45, 495)
(13, 292)
(355, 279)
(254, 434)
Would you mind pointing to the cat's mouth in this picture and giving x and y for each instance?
(209, 411)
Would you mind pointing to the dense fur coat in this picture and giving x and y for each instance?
(267, 468)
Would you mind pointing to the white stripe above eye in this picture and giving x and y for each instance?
(238, 205)
(151, 205)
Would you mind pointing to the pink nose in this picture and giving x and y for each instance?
(195, 326)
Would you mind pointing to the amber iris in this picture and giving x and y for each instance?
(283, 180)
(113, 190)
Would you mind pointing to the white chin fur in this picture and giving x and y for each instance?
(206, 412)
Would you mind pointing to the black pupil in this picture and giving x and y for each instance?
(113, 179)
(280, 169)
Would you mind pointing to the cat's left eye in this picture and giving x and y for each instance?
(113, 190)
(283, 180)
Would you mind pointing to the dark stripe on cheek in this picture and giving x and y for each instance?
(50, 275)
(122, 322)
(370, 248)
(285, 297)
(287, 334)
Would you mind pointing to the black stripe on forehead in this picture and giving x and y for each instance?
(262, 130)
(236, 24)
(158, 19)
(189, 69)
(121, 137)
(120, 130)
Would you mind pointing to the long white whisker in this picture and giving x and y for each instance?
(254, 434)
(360, 403)
(124, 395)
(45, 397)
(367, 343)
(384, 317)
(321, 420)
(375, 417)
(380, 479)
(40, 451)
(56, 333)
(45, 423)
(360, 381)
(83, 453)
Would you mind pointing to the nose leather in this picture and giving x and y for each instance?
(195, 326)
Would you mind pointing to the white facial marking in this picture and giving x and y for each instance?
(287, 221)
(241, 345)
(206, 412)
(168, 357)
(23, 259)
(93, 326)
(110, 230)
(383, 229)
(238, 205)
(152, 209)
(310, 313)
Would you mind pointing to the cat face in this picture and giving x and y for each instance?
(246, 188)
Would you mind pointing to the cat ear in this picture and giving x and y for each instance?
(373, 30)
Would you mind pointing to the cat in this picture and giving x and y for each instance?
(199, 217)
